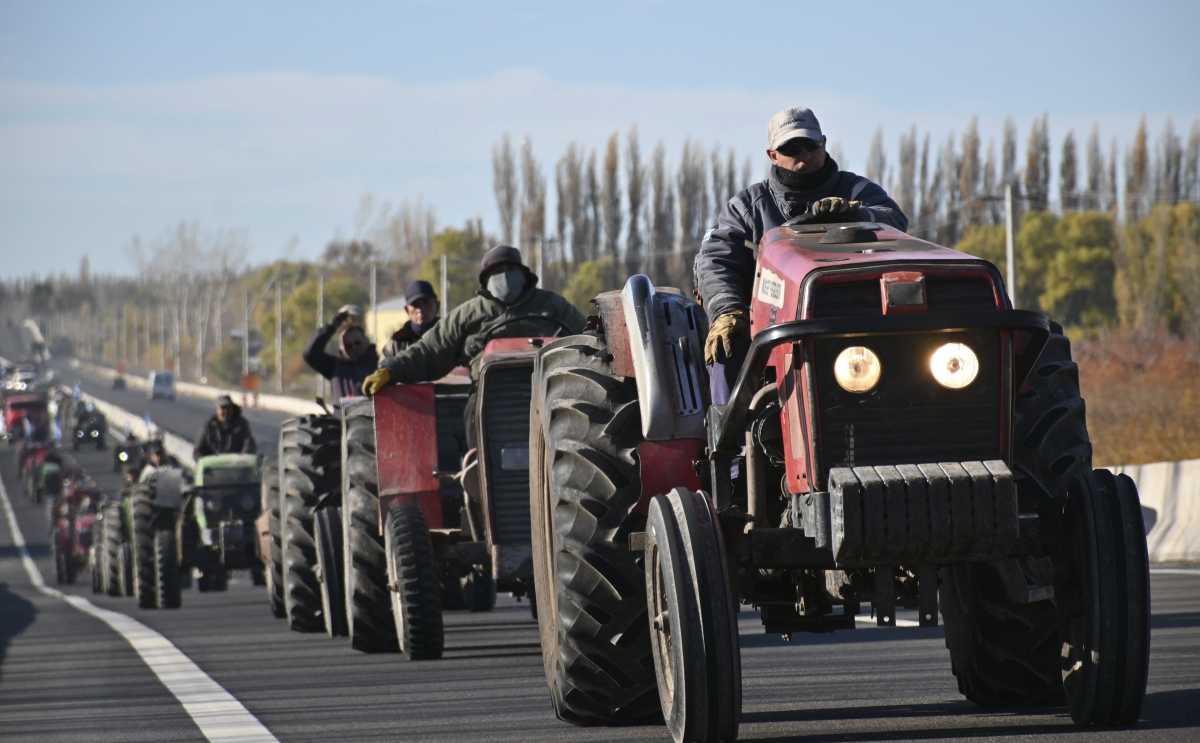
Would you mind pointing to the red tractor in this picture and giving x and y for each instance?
(74, 513)
(417, 518)
(897, 434)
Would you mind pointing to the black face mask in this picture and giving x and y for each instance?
(802, 181)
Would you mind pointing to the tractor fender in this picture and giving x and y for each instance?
(665, 336)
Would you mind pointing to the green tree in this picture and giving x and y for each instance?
(1078, 287)
(463, 248)
(588, 280)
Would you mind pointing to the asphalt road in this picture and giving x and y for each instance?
(65, 676)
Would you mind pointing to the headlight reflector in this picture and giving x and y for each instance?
(857, 369)
(954, 365)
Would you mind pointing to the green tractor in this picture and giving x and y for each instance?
(135, 539)
(216, 524)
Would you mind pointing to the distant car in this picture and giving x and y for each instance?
(118, 382)
(162, 385)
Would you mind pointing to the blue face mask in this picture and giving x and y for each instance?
(507, 286)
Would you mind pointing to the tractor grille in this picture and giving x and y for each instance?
(863, 299)
(909, 417)
(450, 405)
(507, 393)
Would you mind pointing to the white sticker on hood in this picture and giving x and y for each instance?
(770, 288)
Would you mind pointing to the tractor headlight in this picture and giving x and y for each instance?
(954, 365)
(123, 456)
(857, 369)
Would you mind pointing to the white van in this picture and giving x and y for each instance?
(161, 384)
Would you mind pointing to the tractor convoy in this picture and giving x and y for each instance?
(896, 435)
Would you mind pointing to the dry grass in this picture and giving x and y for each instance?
(1143, 397)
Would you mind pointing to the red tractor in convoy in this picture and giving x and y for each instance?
(380, 531)
(73, 515)
(897, 434)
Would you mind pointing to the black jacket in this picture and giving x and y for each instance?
(346, 376)
(231, 437)
(724, 267)
(406, 336)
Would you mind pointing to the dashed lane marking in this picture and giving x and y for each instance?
(1175, 571)
(219, 715)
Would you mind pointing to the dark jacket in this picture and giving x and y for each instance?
(402, 339)
(724, 267)
(345, 376)
(463, 333)
(231, 437)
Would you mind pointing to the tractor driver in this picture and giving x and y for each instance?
(507, 304)
(421, 304)
(804, 180)
(227, 432)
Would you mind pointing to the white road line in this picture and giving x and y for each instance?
(1175, 571)
(220, 717)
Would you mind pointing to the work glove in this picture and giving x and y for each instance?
(833, 206)
(722, 333)
(376, 381)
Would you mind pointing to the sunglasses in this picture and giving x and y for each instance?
(794, 147)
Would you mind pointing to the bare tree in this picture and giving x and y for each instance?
(533, 201)
(611, 198)
(504, 185)
(928, 189)
(1137, 174)
(635, 181)
(1168, 180)
(1068, 174)
(905, 184)
(876, 158)
(1191, 172)
(592, 208)
(1091, 198)
(988, 184)
(662, 215)
(969, 175)
(1008, 154)
(1110, 182)
(1037, 165)
(691, 195)
(573, 185)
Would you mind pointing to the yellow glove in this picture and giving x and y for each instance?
(376, 381)
(721, 335)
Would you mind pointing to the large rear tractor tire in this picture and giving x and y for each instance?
(1003, 650)
(309, 455)
(142, 535)
(274, 559)
(584, 487)
(694, 634)
(413, 579)
(1105, 602)
(327, 534)
(167, 593)
(368, 607)
(110, 549)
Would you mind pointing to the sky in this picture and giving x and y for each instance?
(274, 119)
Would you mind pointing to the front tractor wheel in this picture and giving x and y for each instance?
(1104, 601)
(693, 625)
(368, 619)
(584, 490)
(413, 584)
(1005, 649)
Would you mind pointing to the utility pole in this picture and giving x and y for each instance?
(541, 263)
(1010, 255)
(246, 333)
(374, 306)
(445, 288)
(178, 345)
(162, 337)
(278, 337)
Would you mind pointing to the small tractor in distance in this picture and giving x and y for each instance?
(216, 530)
(896, 434)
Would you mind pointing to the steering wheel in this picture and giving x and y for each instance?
(847, 217)
(490, 332)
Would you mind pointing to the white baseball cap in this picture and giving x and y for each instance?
(793, 123)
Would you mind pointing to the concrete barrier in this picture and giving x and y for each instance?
(276, 403)
(1170, 495)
